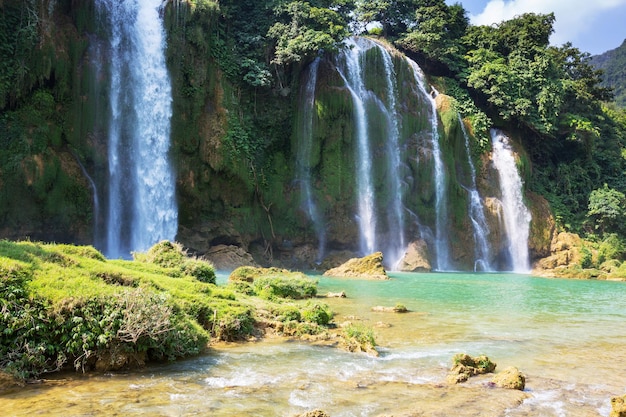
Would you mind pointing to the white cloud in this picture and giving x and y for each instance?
(573, 17)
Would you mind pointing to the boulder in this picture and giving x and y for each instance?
(618, 406)
(510, 378)
(228, 257)
(398, 308)
(370, 266)
(415, 258)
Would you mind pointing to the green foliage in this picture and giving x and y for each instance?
(612, 247)
(437, 32)
(607, 209)
(305, 30)
(296, 288)
(171, 255)
(318, 313)
(586, 258)
(359, 338)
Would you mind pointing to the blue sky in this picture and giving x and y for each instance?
(593, 26)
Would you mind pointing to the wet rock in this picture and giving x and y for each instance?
(415, 258)
(618, 406)
(115, 361)
(341, 294)
(370, 266)
(399, 308)
(464, 366)
(510, 378)
(229, 257)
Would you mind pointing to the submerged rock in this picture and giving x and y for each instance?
(398, 308)
(415, 258)
(618, 406)
(510, 378)
(370, 266)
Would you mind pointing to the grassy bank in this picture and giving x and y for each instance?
(64, 306)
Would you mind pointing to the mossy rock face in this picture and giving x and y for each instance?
(370, 266)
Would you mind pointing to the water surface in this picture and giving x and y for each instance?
(567, 336)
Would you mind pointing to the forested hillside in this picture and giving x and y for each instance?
(237, 67)
(613, 64)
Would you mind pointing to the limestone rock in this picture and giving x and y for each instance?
(618, 406)
(228, 257)
(370, 266)
(340, 294)
(564, 252)
(415, 258)
(464, 366)
(510, 378)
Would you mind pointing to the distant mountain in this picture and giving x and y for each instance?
(613, 63)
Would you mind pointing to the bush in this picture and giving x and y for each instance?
(317, 313)
(270, 287)
(612, 247)
(164, 254)
(201, 270)
(359, 338)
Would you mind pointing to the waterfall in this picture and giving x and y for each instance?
(441, 204)
(95, 199)
(516, 215)
(353, 78)
(303, 164)
(395, 245)
(477, 214)
(142, 202)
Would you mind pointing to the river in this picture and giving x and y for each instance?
(567, 336)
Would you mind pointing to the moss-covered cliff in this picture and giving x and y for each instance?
(236, 129)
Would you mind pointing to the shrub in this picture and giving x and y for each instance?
(285, 287)
(317, 313)
(358, 338)
(165, 254)
(612, 247)
(201, 270)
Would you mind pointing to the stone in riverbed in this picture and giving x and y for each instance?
(618, 406)
(370, 266)
(229, 257)
(510, 378)
(464, 367)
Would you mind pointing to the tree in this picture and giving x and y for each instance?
(437, 32)
(395, 16)
(304, 30)
(607, 209)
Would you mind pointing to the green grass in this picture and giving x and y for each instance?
(65, 305)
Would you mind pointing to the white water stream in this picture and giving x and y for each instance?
(142, 206)
(516, 215)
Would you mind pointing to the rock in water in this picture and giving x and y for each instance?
(510, 378)
(618, 405)
(415, 258)
(370, 266)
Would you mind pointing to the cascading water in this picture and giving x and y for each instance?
(477, 214)
(395, 246)
(516, 215)
(142, 202)
(303, 164)
(441, 204)
(353, 78)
